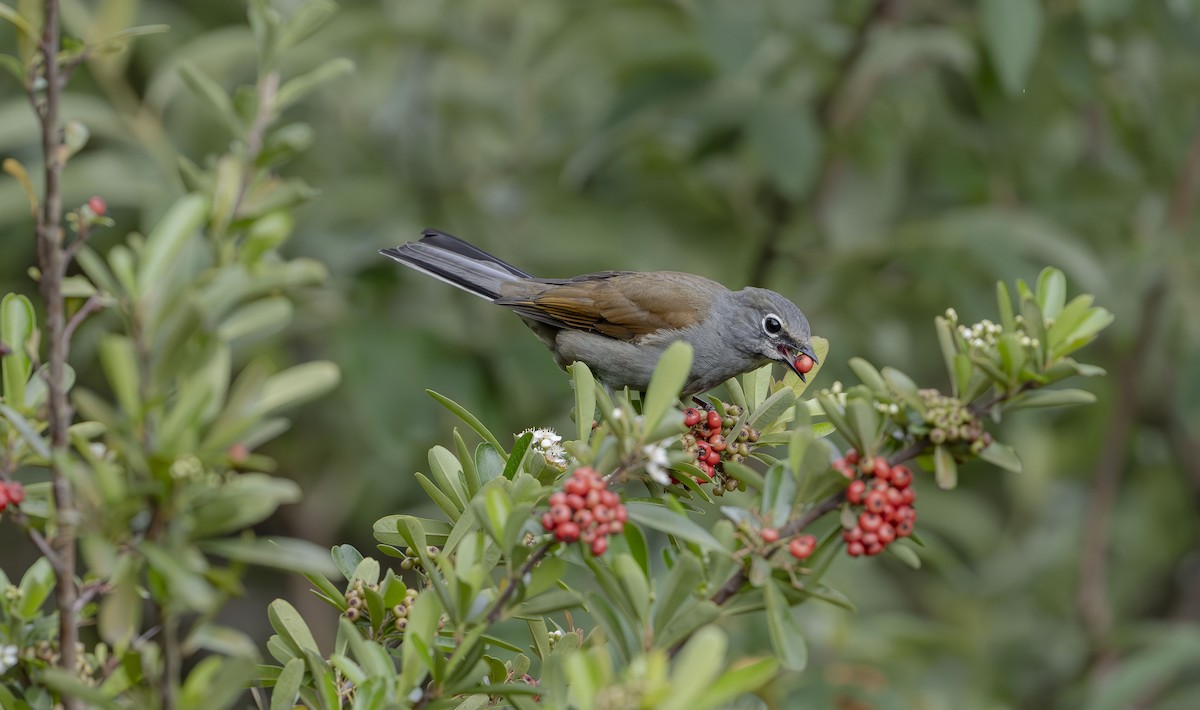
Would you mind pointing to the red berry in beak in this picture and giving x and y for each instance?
(804, 364)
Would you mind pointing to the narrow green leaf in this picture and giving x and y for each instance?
(585, 399)
(1012, 31)
(17, 324)
(868, 375)
(946, 343)
(1051, 292)
(668, 379)
(213, 95)
(745, 678)
(664, 520)
(36, 585)
(290, 626)
(1002, 455)
(786, 637)
(905, 554)
(168, 239)
(699, 662)
(517, 456)
(772, 409)
(287, 686)
(459, 411)
(1051, 398)
(119, 361)
(297, 384)
(26, 430)
(295, 89)
(945, 470)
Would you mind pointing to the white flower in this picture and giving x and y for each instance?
(951, 315)
(617, 413)
(8, 657)
(656, 463)
(547, 442)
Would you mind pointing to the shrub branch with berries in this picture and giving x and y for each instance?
(747, 497)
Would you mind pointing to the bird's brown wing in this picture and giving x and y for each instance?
(622, 305)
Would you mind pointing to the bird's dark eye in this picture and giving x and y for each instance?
(771, 324)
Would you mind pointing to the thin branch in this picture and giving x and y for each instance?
(497, 609)
(779, 208)
(90, 306)
(52, 263)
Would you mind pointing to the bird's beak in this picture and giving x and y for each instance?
(790, 353)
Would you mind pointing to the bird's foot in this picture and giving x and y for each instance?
(708, 406)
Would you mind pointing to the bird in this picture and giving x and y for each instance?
(619, 323)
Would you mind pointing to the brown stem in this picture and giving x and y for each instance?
(1094, 605)
(779, 208)
(89, 307)
(52, 262)
(172, 660)
(497, 609)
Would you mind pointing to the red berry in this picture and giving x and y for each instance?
(575, 486)
(882, 470)
(16, 493)
(620, 515)
(717, 442)
(869, 538)
(874, 549)
(804, 364)
(574, 501)
(769, 534)
(548, 522)
(904, 528)
(869, 522)
(98, 206)
(886, 533)
(599, 545)
(610, 498)
(702, 450)
(567, 532)
(691, 417)
(854, 534)
(894, 497)
(3, 496)
(843, 468)
(875, 501)
(603, 514)
(855, 549)
(714, 421)
(617, 525)
(584, 518)
(901, 476)
(713, 458)
(909, 496)
(855, 491)
(592, 499)
(560, 514)
(851, 457)
(803, 546)
(558, 498)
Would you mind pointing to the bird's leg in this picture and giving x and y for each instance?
(708, 406)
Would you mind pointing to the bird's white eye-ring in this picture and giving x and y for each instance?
(771, 324)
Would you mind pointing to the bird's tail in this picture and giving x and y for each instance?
(456, 262)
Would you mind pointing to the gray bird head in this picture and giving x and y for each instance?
(766, 325)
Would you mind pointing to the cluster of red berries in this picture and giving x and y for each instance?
(885, 492)
(706, 440)
(585, 509)
(13, 493)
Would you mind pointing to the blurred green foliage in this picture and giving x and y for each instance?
(874, 175)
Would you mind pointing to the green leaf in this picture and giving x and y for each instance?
(119, 360)
(17, 324)
(1004, 303)
(786, 637)
(213, 95)
(36, 585)
(121, 608)
(745, 678)
(11, 15)
(945, 470)
(287, 686)
(635, 585)
(666, 383)
(459, 411)
(26, 430)
(905, 554)
(868, 375)
(1051, 292)
(285, 553)
(346, 558)
(772, 409)
(290, 626)
(678, 588)
(948, 348)
(698, 662)
(167, 241)
(517, 456)
(297, 384)
(1012, 355)
(1002, 455)
(259, 319)
(585, 399)
(1012, 31)
(295, 89)
(188, 589)
(1051, 398)
(664, 520)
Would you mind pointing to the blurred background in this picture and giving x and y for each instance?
(875, 160)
